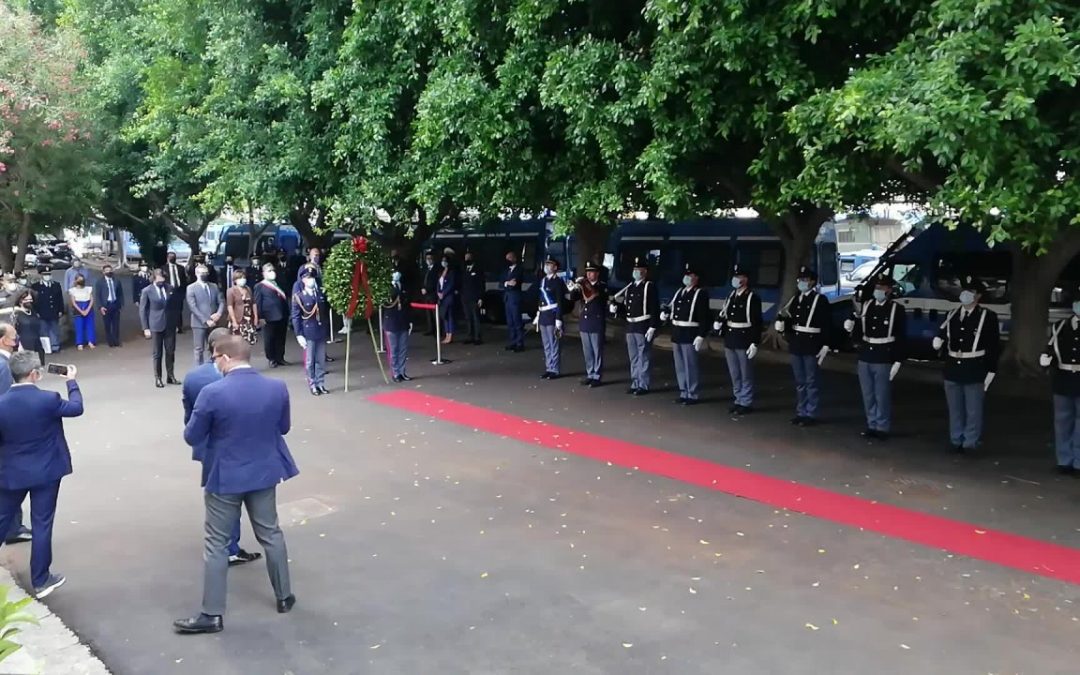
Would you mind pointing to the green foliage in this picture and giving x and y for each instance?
(338, 275)
(12, 613)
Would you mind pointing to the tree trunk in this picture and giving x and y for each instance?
(1033, 280)
(300, 218)
(22, 242)
(797, 230)
(592, 238)
(7, 260)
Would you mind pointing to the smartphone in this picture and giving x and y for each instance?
(56, 369)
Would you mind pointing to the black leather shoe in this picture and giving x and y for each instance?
(585, 382)
(397, 378)
(809, 422)
(632, 391)
(283, 362)
(273, 364)
(679, 400)
(286, 604)
(330, 359)
(519, 348)
(405, 378)
(641, 392)
(315, 391)
(1065, 469)
(508, 348)
(171, 380)
(545, 376)
(868, 433)
(797, 420)
(243, 557)
(324, 390)
(594, 384)
(158, 383)
(203, 623)
(959, 449)
(690, 401)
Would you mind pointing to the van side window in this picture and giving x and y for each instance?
(826, 265)
(765, 262)
(992, 268)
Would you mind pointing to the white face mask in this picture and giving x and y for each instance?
(967, 298)
(241, 282)
(270, 276)
(396, 277)
(549, 269)
(309, 283)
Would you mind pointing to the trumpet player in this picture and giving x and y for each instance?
(592, 293)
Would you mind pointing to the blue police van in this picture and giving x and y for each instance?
(715, 245)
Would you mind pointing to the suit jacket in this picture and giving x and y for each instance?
(178, 290)
(33, 450)
(101, 292)
(49, 300)
(204, 301)
(154, 311)
(272, 302)
(194, 382)
(5, 373)
(241, 421)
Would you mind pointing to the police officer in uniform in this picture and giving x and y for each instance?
(1064, 353)
(310, 319)
(971, 344)
(804, 321)
(739, 324)
(641, 303)
(592, 322)
(690, 324)
(511, 283)
(49, 305)
(548, 321)
(879, 334)
(398, 326)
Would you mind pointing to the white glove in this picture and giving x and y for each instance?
(410, 329)
(938, 343)
(558, 324)
(822, 354)
(650, 334)
(302, 341)
(536, 321)
(849, 325)
(698, 342)
(1045, 360)
(895, 369)
(613, 308)
(751, 352)
(779, 325)
(989, 378)
(663, 316)
(716, 326)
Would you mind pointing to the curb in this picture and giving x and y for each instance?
(49, 648)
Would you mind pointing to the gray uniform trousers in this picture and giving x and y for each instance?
(686, 370)
(397, 351)
(807, 394)
(1067, 430)
(639, 350)
(222, 513)
(876, 394)
(592, 344)
(965, 412)
(552, 348)
(742, 376)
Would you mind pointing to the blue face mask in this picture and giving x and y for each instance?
(804, 285)
(687, 281)
(880, 295)
(638, 276)
(967, 297)
(1076, 308)
(396, 277)
(736, 283)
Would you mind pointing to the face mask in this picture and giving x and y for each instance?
(687, 281)
(80, 283)
(736, 282)
(309, 283)
(217, 365)
(143, 270)
(202, 275)
(172, 260)
(241, 282)
(549, 269)
(228, 261)
(315, 258)
(468, 261)
(28, 304)
(509, 261)
(880, 295)
(804, 286)
(47, 278)
(108, 273)
(22, 282)
(445, 264)
(396, 277)
(255, 264)
(270, 276)
(11, 286)
(967, 298)
(1076, 308)
(159, 283)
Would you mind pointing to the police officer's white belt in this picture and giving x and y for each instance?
(685, 324)
(1069, 367)
(879, 341)
(546, 308)
(639, 319)
(968, 355)
(737, 324)
(807, 329)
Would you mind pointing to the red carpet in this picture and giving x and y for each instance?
(1002, 548)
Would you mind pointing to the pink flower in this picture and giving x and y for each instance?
(3, 167)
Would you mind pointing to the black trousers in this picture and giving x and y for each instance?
(472, 318)
(274, 334)
(164, 344)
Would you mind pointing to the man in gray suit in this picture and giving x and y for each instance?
(9, 342)
(158, 324)
(207, 304)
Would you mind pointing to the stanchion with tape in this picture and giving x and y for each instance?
(438, 333)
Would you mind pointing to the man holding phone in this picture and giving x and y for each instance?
(34, 457)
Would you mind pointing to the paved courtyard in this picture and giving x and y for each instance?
(420, 545)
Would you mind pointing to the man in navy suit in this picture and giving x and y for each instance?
(512, 282)
(159, 325)
(240, 421)
(34, 456)
(9, 342)
(109, 296)
(273, 307)
(194, 382)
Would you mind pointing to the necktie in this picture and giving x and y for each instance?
(161, 292)
(209, 295)
(172, 275)
(112, 297)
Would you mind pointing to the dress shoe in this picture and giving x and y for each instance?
(330, 359)
(519, 348)
(405, 378)
(478, 342)
(679, 400)
(585, 381)
(593, 384)
(315, 391)
(203, 623)
(283, 362)
(509, 348)
(959, 449)
(632, 391)
(733, 409)
(23, 535)
(743, 410)
(545, 376)
(868, 433)
(690, 401)
(467, 342)
(286, 604)
(158, 383)
(323, 390)
(272, 364)
(397, 378)
(797, 420)
(641, 392)
(1066, 469)
(171, 380)
(809, 422)
(242, 557)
